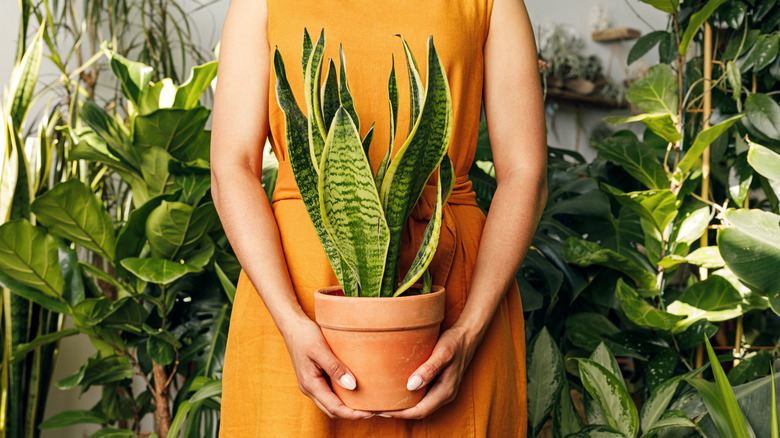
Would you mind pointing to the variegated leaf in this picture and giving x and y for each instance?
(446, 182)
(329, 98)
(367, 141)
(392, 91)
(311, 85)
(346, 96)
(298, 151)
(351, 211)
(416, 89)
(416, 160)
(307, 46)
(611, 396)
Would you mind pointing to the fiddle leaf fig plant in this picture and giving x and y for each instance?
(359, 215)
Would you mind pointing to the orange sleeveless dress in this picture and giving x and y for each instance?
(260, 395)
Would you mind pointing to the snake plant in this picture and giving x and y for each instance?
(359, 216)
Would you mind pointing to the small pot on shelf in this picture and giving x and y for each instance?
(382, 341)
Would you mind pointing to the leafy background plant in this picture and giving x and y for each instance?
(616, 305)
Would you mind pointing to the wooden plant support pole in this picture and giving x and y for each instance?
(705, 158)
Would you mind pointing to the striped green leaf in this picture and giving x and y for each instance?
(30, 256)
(346, 96)
(392, 92)
(307, 46)
(311, 84)
(416, 159)
(446, 182)
(367, 140)
(611, 396)
(416, 89)
(351, 210)
(737, 424)
(23, 80)
(70, 210)
(305, 172)
(329, 97)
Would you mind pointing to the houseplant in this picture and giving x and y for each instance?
(346, 202)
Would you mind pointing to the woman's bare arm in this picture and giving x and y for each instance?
(239, 131)
(515, 116)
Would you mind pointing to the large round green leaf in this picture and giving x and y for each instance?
(30, 256)
(70, 210)
(157, 270)
(174, 228)
(749, 242)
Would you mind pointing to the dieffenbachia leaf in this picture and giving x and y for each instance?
(611, 396)
(446, 182)
(329, 99)
(349, 202)
(346, 96)
(311, 84)
(416, 89)
(416, 160)
(305, 172)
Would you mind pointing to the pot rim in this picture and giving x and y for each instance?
(378, 313)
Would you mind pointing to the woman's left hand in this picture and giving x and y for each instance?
(444, 369)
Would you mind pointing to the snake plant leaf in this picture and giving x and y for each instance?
(329, 99)
(311, 84)
(416, 160)
(307, 46)
(305, 172)
(611, 396)
(416, 89)
(445, 184)
(23, 80)
(346, 96)
(31, 257)
(392, 91)
(72, 211)
(351, 210)
(367, 140)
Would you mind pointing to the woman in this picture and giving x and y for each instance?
(277, 364)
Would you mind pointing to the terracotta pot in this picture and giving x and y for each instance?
(382, 341)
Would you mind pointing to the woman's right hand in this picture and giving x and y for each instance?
(312, 359)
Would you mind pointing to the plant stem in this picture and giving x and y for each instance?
(162, 413)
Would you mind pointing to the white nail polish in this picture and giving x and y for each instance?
(383, 416)
(414, 383)
(347, 382)
(369, 416)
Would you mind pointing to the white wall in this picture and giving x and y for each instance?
(207, 26)
(581, 15)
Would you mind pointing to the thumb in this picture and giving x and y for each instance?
(335, 368)
(440, 357)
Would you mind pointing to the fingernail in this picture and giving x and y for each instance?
(384, 415)
(369, 416)
(415, 382)
(347, 382)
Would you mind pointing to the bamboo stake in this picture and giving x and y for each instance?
(705, 168)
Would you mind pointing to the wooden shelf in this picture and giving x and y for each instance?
(566, 96)
(616, 34)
